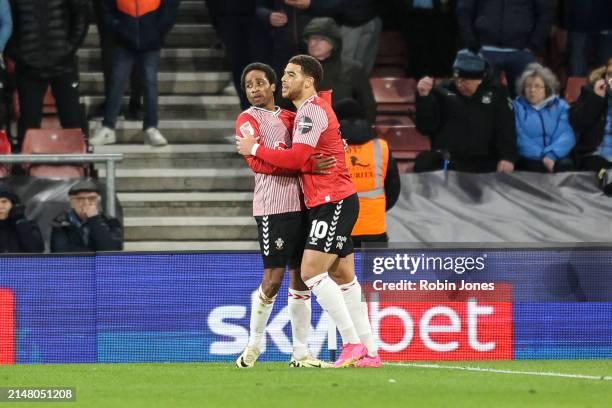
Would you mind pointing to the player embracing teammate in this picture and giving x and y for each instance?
(328, 263)
(278, 208)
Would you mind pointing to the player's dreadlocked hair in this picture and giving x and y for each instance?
(258, 66)
(310, 67)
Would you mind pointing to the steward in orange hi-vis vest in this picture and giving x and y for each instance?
(373, 171)
(367, 165)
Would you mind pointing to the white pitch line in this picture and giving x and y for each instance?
(499, 371)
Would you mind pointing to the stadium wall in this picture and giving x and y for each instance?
(183, 307)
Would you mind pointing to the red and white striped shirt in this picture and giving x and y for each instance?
(277, 190)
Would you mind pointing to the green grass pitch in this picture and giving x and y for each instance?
(277, 385)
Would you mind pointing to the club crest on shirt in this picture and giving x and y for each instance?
(247, 130)
(304, 125)
(280, 145)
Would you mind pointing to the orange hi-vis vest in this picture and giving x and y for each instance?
(367, 165)
(137, 8)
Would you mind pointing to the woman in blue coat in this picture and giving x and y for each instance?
(544, 135)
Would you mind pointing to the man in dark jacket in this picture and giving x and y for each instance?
(509, 33)
(140, 28)
(591, 118)
(83, 228)
(345, 78)
(285, 20)
(371, 165)
(46, 37)
(17, 233)
(469, 120)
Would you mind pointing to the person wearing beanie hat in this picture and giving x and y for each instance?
(17, 233)
(346, 78)
(469, 120)
(83, 228)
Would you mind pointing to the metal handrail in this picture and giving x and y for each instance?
(109, 159)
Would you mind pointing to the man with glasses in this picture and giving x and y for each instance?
(83, 228)
(469, 120)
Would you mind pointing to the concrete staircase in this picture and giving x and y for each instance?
(195, 193)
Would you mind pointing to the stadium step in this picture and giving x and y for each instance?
(189, 228)
(186, 204)
(172, 59)
(216, 107)
(143, 156)
(163, 180)
(156, 246)
(186, 83)
(176, 131)
(181, 36)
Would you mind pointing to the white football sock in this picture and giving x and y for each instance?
(331, 300)
(260, 313)
(300, 313)
(359, 314)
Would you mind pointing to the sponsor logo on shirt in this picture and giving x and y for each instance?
(304, 125)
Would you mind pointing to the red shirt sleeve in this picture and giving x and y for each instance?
(293, 159)
(247, 125)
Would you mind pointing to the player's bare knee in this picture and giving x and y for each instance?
(270, 287)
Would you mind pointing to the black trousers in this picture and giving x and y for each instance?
(594, 163)
(246, 40)
(561, 165)
(65, 88)
(434, 160)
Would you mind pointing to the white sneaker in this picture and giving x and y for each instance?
(248, 357)
(308, 362)
(154, 137)
(103, 136)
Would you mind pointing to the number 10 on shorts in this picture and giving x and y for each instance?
(318, 230)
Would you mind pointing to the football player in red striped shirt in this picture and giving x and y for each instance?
(332, 200)
(278, 208)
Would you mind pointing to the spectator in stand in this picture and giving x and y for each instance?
(6, 28)
(140, 28)
(589, 29)
(84, 228)
(107, 53)
(429, 28)
(373, 170)
(509, 33)
(591, 118)
(46, 37)
(469, 120)
(245, 38)
(345, 78)
(17, 233)
(360, 27)
(285, 20)
(544, 135)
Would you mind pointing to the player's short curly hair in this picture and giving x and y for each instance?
(310, 67)
(258, 66)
